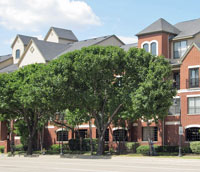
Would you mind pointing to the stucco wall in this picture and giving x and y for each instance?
(18, 45)
(6, 63)
(111, 41)
(52, 37)
(32, 57)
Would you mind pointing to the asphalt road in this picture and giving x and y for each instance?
(115, 164)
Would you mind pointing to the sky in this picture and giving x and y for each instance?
(88, 18)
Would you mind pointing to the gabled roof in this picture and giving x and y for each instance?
(6, 57)
(194, 44)
(50, 50)
(159, 25)
(87, 43)
(10, 68)
(128, 46)
(62, 34)
(25, 39)
(188, 28)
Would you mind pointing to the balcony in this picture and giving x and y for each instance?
(192, 83)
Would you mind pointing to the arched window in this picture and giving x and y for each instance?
(17, 54)
(146, 47)
(154, 48)
(62, 136)
(193, 134)
(120, 135)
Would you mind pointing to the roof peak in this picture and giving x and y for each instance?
(160, 25)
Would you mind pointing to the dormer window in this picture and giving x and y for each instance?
(17, 54)
(151, 47)
(179, 49)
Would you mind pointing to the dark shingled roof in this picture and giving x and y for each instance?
(128, 46)
(65, 34)
(160, 25)
(50, 50)
(9, 68)
(6, 57)
(26, 39)
(188, 28)
(84, 43)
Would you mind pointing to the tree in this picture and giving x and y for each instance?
(95, 84)
(153, 94)
(28, 95)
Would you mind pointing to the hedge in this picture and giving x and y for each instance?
(144, 149)
(195, 147)
(74, 144)
(57, 147)
(131, 146)
(2, 149)
(19, 147)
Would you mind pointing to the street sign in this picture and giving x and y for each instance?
(180, 130)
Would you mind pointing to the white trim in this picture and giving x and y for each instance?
(149, 44)
(191, 126)
(17, 137)
(135, 124)
(195, 66)
(172, 123)
(119, 128)
(50, 126)
(194, 95)
(189, 90)
(176, 97)
(60, 129)
(85, 126)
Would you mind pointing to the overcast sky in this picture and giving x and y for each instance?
(88, 18)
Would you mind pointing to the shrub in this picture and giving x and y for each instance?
(195, 147)
(2, 149)
(19, 147)
(167, 148)
(131, 146)
(74, 144)
(56, 147)
(143, 149)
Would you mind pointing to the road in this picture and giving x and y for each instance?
(115, 164)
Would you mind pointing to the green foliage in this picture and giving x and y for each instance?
(144, 149)
(167, 149)
(57, 147)
(19, 147)
(74, 144)
(2, 149)
(195, 147)
(132, 146)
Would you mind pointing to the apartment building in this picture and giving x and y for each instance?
(179, 43)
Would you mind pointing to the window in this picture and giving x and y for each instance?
(176, 82)
(179, 49)
(146, 47)
(17, 54)
(62, 137)
(120, 135)
(151, 47)
(83, 134)
(175, 108)
(193, 134)
(193, 105)
(153, 131)
(154, 48)
(194, 78)
(106, 137)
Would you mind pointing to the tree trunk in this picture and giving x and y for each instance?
(149, 140)
(100, 149)
(30, 145)
(91, 144)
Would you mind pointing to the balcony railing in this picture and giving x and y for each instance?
(192, 83)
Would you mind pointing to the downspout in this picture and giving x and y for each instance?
(163, 135)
